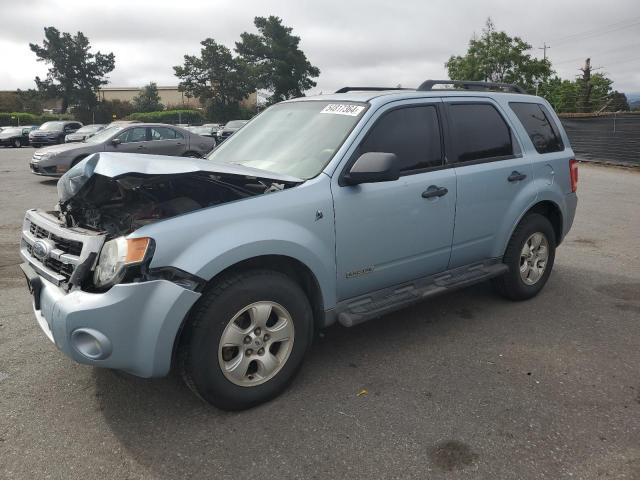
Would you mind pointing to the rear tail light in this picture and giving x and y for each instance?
(573, 171)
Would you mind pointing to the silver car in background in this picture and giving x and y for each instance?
(150, 138)
(84, 133)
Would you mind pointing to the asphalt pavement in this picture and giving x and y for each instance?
(466, 385)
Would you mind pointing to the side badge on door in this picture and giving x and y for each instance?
(358, 273)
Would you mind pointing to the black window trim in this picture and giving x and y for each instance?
(450, 141)
(441, 123)
(552, 123)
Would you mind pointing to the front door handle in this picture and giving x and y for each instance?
(516, 176)
(434, 191)
(140, 147)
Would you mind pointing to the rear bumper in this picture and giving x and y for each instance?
(130, 327)
(571, 203)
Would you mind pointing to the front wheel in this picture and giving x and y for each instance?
(246, 339)
(530, 255)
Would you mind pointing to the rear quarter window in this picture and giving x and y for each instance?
(540, 127)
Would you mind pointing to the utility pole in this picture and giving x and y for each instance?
(585, 101)
(544, 50)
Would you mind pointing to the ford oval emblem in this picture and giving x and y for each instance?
(40, 249)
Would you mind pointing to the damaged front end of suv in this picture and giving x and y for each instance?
(83, 252)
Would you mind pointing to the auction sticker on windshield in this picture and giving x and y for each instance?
(343, 109)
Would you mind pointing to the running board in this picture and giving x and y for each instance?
(372, 305)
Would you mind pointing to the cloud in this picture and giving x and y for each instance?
(358, 42)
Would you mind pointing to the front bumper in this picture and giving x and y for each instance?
(44, 140)
(134, 324)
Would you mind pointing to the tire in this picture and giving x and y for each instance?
(201, 356)
(525, 277)
(17, 143)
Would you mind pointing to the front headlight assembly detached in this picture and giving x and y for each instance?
(116, 256)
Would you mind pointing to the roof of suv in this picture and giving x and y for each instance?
(391, 95)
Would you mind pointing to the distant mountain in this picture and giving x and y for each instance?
(632, 97)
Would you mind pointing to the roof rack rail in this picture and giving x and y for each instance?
(369, 89)
(472, 85)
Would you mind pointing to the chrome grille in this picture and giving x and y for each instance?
(53, 250)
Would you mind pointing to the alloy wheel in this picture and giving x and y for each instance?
(256, 343)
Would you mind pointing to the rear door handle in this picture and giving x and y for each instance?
(140, 147)
(434, 191)
(516, 176)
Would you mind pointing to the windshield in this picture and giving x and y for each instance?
(236, 123)
(297, 138)
(105, 134)
(52, 126)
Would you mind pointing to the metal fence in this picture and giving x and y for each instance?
(614, 138)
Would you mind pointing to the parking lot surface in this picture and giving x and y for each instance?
(467, 385)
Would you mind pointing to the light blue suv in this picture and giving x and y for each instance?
(334, 208)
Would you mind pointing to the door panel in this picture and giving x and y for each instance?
(387, 233)
(165, 141)
(492, 175)
(132, 140)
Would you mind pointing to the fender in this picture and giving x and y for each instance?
(546, 192)
(291, 223)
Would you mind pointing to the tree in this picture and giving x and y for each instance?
(497, 57)
(148, 100)
(275, 59)
(218, 79)
(619, 102)
(75, 73)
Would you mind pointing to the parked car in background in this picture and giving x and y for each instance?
(51, 133)
(203, 130)
(16, 136)
(333, 208)
(122, 122)
(84, 133)
(229, 129)
(150, 138)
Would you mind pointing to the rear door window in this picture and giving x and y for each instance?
(479, 133)
(164, 133)
(412, 133)
(539, 125)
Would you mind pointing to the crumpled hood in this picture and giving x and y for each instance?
(114, 165)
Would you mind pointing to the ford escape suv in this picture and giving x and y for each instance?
(334, 208)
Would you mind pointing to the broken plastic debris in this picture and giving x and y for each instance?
(363, 392)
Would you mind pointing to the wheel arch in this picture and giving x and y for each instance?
(547, 208)
(289, 266)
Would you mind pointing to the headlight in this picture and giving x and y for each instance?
(44, 156)
(116, 256)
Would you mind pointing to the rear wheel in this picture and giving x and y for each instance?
(17, 143)
(530, 255)
(246, 339)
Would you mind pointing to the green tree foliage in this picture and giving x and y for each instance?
(583, 96)
(276, 62)
(220, 80)
(148, 100)
(75, 74)
(497, 57)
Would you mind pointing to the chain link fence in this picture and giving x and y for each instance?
(611, 138)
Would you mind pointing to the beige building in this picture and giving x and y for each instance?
(170, 96)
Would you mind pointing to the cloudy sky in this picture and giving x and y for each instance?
(368, 42)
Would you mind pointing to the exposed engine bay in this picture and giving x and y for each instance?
(118, 206)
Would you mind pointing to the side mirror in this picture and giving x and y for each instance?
(374, 167)
(115, 142)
